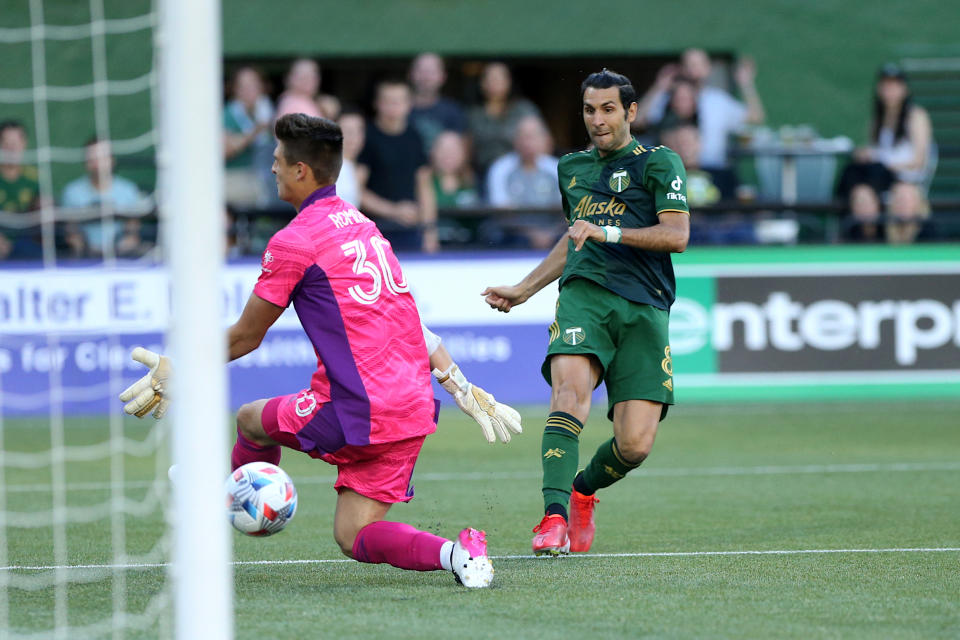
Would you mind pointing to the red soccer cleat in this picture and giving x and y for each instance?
(582, 526)
(551, 538)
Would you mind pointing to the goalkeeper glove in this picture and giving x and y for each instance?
(495, 418)
(149, 393)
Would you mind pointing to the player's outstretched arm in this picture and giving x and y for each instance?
(149, 393)
(504, 298)
(496, 419)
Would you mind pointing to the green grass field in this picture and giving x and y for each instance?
(757, 521)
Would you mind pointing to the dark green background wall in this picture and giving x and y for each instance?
(816, 59)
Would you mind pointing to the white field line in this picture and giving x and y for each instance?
(651, 554)
(679, 472)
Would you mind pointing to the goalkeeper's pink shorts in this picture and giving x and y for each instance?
(382, 471)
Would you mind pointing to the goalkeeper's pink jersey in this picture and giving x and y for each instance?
(373, 374)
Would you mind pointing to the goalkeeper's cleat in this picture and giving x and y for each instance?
(551, 538)
(582, 526)
(471, 566)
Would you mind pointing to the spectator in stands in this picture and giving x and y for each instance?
(527, 176)
(908, 214)
(685, 140)
(302, 86)
(453, 180)
(703, 190)
(72, 242)
(681, 108)
(6, 247)
(329, 106)
(101, 189)
(454, 187)
(19, 191)
(901, 140)
(718, 113)
(864, 222)
(394, 173)
(353, 126)
(491, 124)
(433, 113)
(248, 141)
(132, 241)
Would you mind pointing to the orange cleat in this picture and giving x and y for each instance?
(551, 538)
(582, 525)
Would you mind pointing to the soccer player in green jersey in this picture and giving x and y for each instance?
(626, 206)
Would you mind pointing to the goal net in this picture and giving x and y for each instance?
(107, 242)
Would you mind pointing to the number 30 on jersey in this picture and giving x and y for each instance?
(382, 276)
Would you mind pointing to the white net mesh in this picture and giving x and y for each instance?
(83, 490)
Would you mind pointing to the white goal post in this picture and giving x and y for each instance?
(191, 204)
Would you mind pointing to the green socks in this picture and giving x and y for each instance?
(560, 456)
(606, 467)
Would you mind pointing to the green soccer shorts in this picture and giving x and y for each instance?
(631, 341)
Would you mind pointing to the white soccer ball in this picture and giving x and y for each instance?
(261, 499)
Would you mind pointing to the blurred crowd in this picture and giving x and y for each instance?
(431, 170)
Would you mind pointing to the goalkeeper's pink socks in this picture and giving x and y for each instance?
(401, 546)
(245, 451)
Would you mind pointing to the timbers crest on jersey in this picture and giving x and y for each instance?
(619, 180)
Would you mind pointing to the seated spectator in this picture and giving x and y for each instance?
(302, 85)
(453, 181)
(132, 241)
(864, 222)
(248, 141)
(329, 106)
(454, 188)
(19, 192)
(100, 188)
(433, 113)
(394, 174)
(718, 113)
(901, 140)
(19, 189)
(704, 189)
(685, 140)
(491, 124)
(527, 176)
(73, 242)
(907, 214)
(353, 127)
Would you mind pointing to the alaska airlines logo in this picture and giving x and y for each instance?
(587, 207)
(619, 180)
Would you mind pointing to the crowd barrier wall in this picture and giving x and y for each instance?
(748, 324)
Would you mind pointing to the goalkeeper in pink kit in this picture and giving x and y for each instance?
(370, 403)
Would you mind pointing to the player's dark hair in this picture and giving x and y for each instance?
(316, 142)
(605, 79)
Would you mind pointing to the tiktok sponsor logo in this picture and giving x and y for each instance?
(267, 259)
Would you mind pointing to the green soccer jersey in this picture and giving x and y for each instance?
(627, 189)
(20, 195)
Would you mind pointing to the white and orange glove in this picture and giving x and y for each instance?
(149, 393)
(496, 419)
